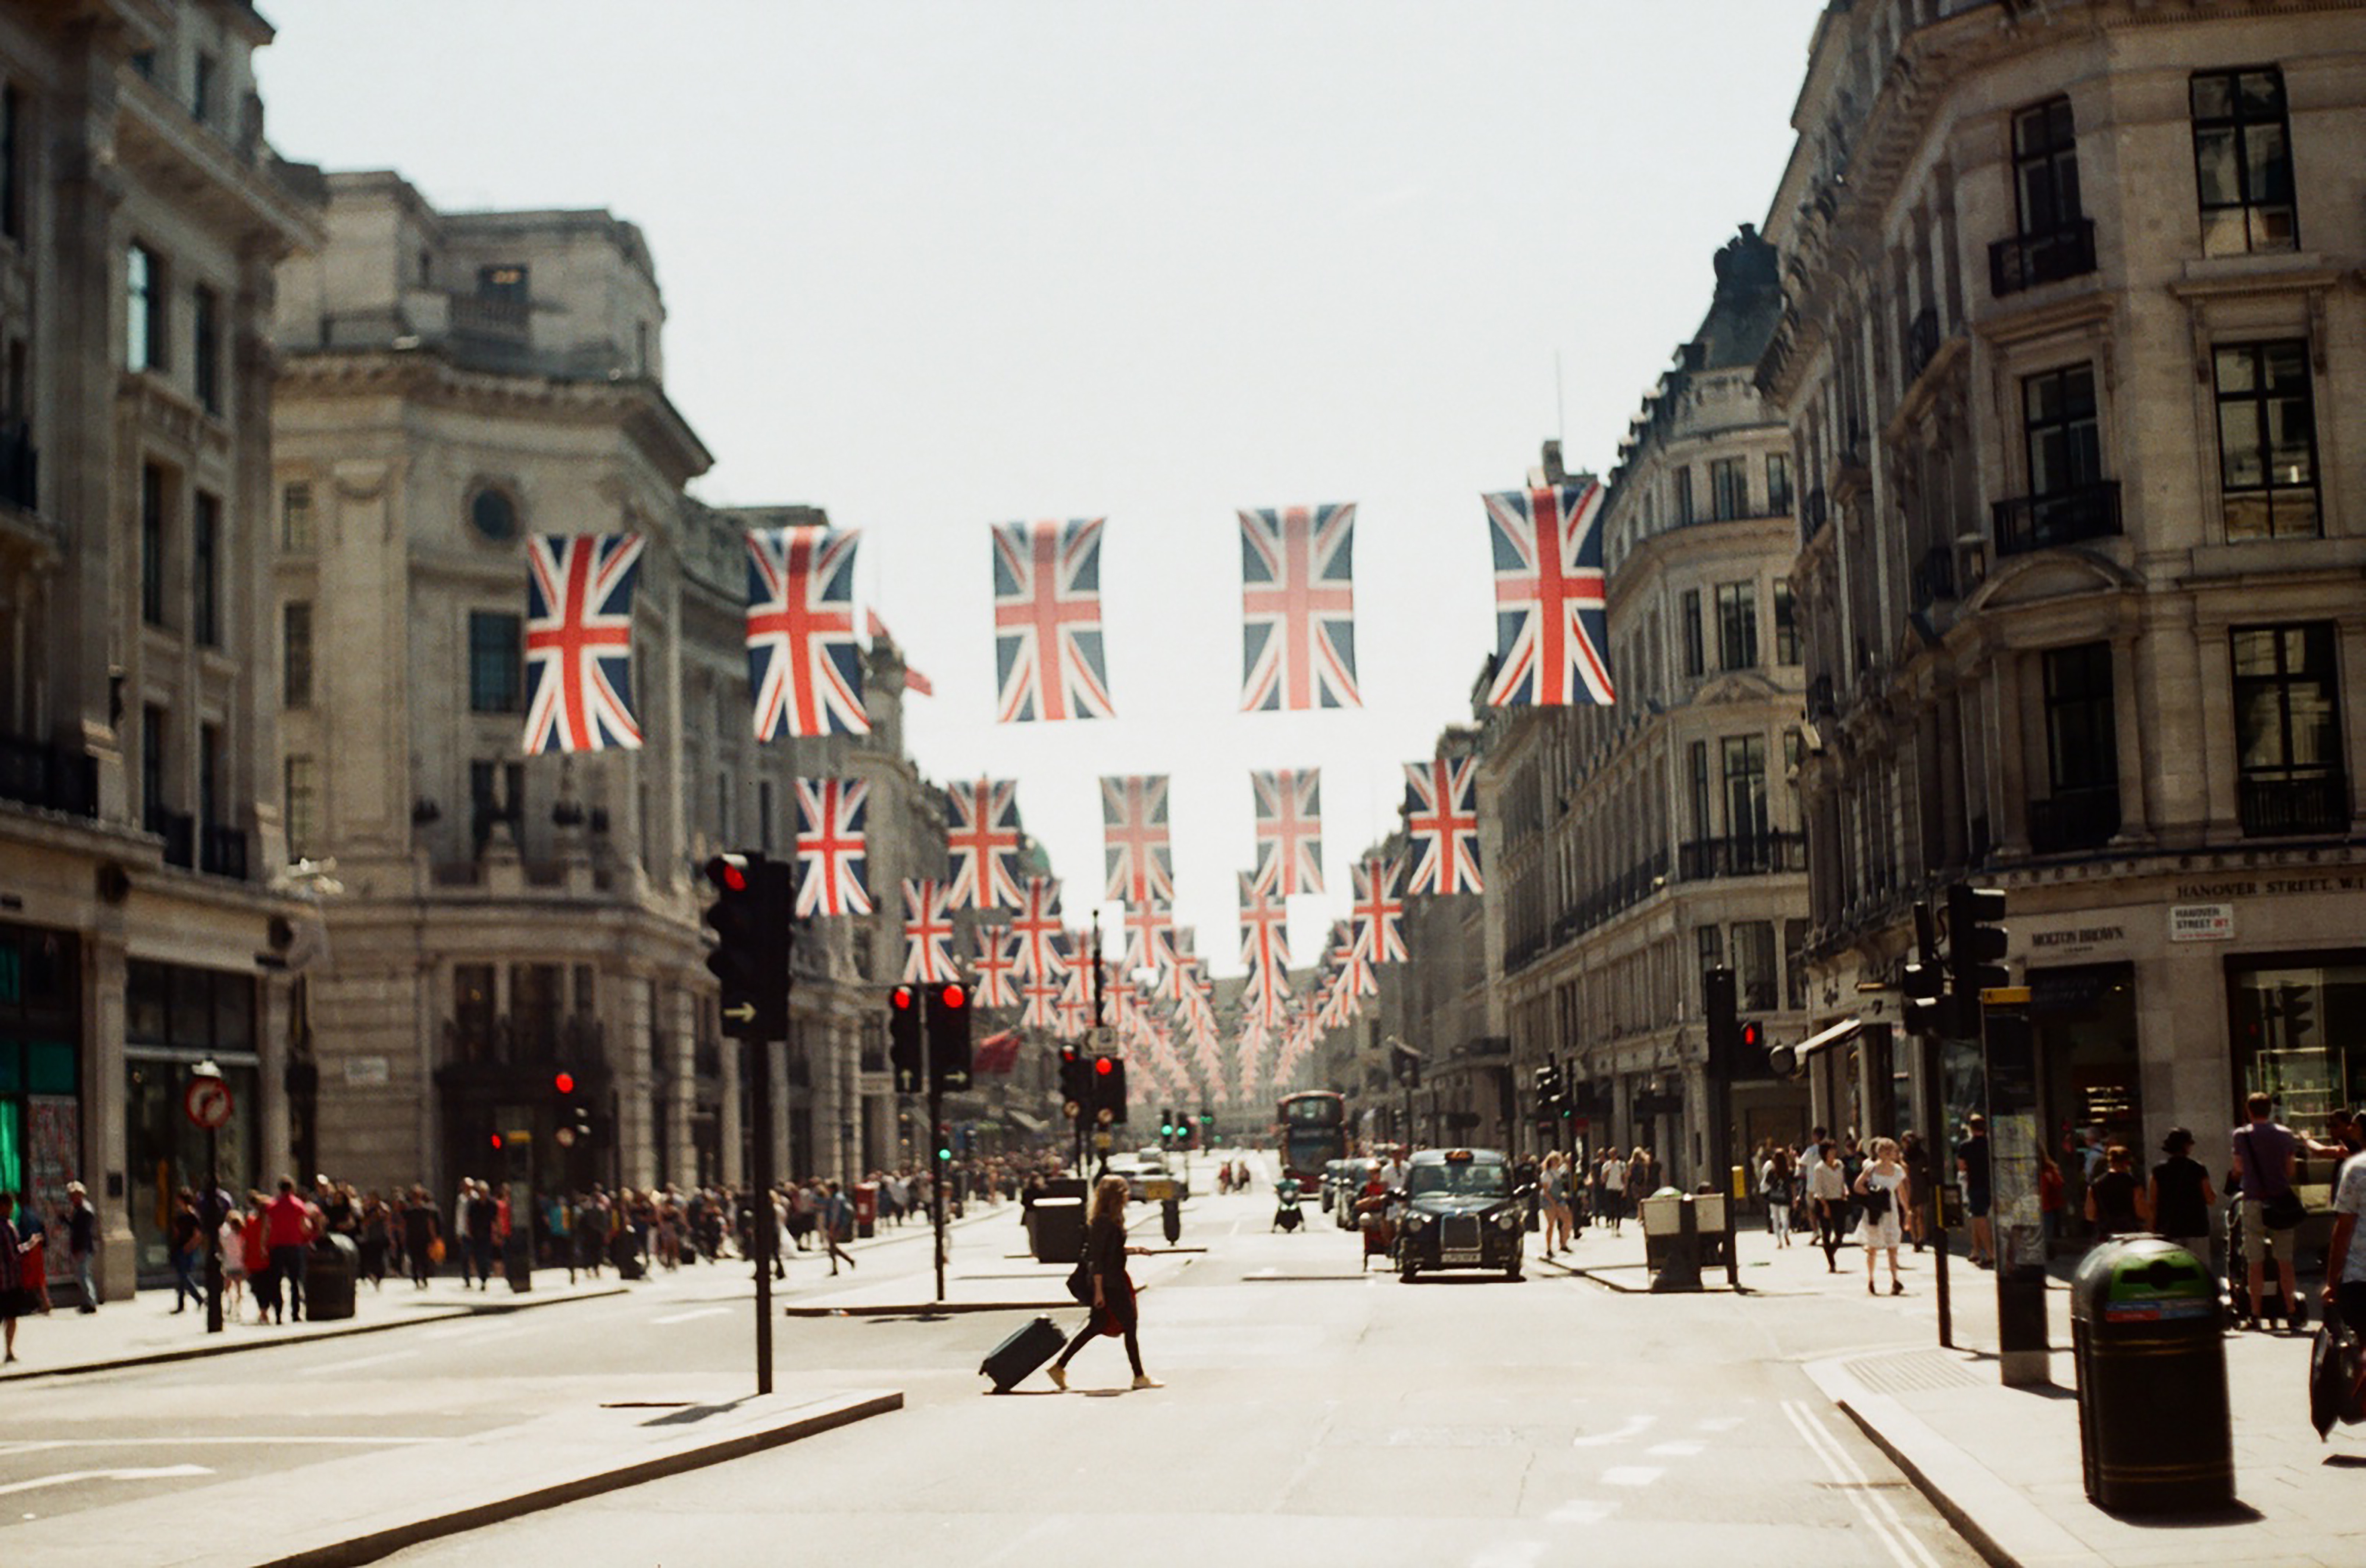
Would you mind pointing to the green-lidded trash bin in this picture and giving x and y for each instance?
(329, 1274)
(2154, 1435)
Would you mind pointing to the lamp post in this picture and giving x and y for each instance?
(209, 1210)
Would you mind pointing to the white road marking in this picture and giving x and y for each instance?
(687, 1316)
(159, 1472)
(1582, 1511)
(1887, 1528)
(360, 1362)
(1635, 1424)
(1631, 1475)
(1510, 1554)
(1718, 1423)
(1681, 1449)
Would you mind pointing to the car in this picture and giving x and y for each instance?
(1459, 1212)
(1148, 1181)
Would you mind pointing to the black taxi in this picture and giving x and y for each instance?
(1460, 1213)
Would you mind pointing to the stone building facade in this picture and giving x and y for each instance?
(2074, 367)
(140, 216)
(1642, 843)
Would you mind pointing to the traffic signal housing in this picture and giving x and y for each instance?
(903, 1037)
(1106, 1101)
(1725, 1058)
(754, 900)
(1076, 1083)
(948, 1057)
(1976, 943)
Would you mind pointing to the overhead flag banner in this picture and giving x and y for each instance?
(1047, 621)
(1290, 830)
(1298, 609)
(1378, 915)
(832, 862)
(1441, 817)
(982, 844)
(1135, 830)
(997, 967)
(1552, 614)
(1265, 948)
(804, 665)
(928, 935)
(1149, 937)
(578, 642)
(1037, 927)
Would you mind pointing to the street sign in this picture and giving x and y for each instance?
(207, 1100)
(744, 1013)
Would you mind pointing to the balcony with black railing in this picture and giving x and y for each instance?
(1935, 576)
(222, 851)
(34, 772)
(2074, 819)
(2029, 523)
(1922, 343)
(20, 467)
(179, 831)
(2024, 260)
(1755, 855)
(2281, 806)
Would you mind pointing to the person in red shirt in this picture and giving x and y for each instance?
(289, 1224)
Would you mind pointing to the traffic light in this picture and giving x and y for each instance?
(754, 898)
(904, 1038)
(570, 1107)
(1725, 1058)
(1549, 1092)
(1976, 943)
(1404, 1065)
(1107, 1100)
(1076, 1082)
(1165, 1126)
(1926, 1002)
(948, 1034)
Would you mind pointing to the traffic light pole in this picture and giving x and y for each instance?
(942, 1172)
(763, 1229)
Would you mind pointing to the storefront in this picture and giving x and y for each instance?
(41, 1068)
(2298, 1023)
(2090, 1081)
(174, 1018)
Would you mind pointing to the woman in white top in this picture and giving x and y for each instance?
(1879, 1185)
(1613, 1172)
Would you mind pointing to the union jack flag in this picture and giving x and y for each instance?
(1047, 621)
(578, 639)
(997, 967)
(1037, 927)
(1076, 1004)
(832, 860)
(1290, 830)
(1042, 1009)
(803, 663)
(1133, 823)
(1265, 948)
(1379, 913)
(1550, 617)
(981, 841)
(928, 934)
(1149, 936)
(1442, 825)
(1297, 606)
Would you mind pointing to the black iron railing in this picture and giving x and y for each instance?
(2074, 819)
(2024, 260)
(20, 467)
(222, 851)
(1757, 855)
(2066, 517)
(33, 773)
(1922, 341)
(179, 831)
(1935, 576)
(2305, 803)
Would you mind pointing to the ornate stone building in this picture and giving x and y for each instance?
(140, 214)
(2071, 365)
(1641, 844)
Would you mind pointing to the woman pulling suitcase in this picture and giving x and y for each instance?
(1113, 1302)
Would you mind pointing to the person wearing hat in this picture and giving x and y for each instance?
(2182, 1195)
(1972, 1167)
(82, 1241)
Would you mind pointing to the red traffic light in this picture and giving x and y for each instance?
(1753, 1037)
(952, 996)
(900, 999)
(497, 1140)
(1103, 1066)
(728, 872)
(564, 1083)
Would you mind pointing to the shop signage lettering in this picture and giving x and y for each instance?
(2082, 936)
(2351, 881)
(2202, 922)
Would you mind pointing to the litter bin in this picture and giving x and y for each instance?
(329, 1278)
(1671, 1240)
(1055, 1229)
(2153, 1433)
(517, 1260)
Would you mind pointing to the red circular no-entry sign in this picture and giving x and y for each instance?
(207, 1102)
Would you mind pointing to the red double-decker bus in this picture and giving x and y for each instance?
(1312, 1132)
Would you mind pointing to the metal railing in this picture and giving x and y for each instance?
(2308, 803)
(34, 772)
(2074, 819)
(2029, 523)
(20, 467)
(1759, 854)
(1935, 576)
(222, 851)
(2024, 260)
(179, 831)
(1922, 341)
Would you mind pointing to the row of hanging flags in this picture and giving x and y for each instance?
(805, 672)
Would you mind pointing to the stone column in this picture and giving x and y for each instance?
(680, 1006)
(628, 1051)
(106, 1083)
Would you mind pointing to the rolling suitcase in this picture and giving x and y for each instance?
(1011, 1361)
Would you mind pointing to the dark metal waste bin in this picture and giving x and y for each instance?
(2153, 1431)
(1055, 1229)
(329, 1278)
(517, 1261)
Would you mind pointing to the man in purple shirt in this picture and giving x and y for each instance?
(2265, 1156)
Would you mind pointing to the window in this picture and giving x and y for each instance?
(505, 280)
(1744, 757)
(2058, 430)
(12, 176)
(496, 661)
(204, 319)
(1729, 489)
(1696, 786)
(1708, 946)
(209, 767)
(496, 793)
(1737, 626)
(493, 514)
(295, 517)
(151, 544)
(1786, 625)
(205, 570)
(151, 760)
(473, 1009)
(203, 91)
(2288, 731)
(537, 995)
(1754, 986)
(1689, 617)
(1778, 483)
(143, 309)
(2267, 441)
(2242, 163)
(2045, 168)
(2081, 740)
(295, 654)
(1795, 966)
(303, 806)
(1683, 497)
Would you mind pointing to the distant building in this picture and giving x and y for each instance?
(142, 927)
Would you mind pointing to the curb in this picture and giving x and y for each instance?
(239, 1347)
(381, 1543)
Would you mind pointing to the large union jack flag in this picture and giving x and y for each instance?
(578, 641)
(1149, 937)
(1134, 827)
(1290, 830)
(832, 860)
(982, 843)
(1265, 948)
(1378, 915)
(1442, 825)
(803, 663)
(1047, 621)
(1550, 618)
(1037, 927)
(1298, 608)
(928, 934)
(997, 967)
(1043, 1004)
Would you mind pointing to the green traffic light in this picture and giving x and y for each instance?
(944, 1154)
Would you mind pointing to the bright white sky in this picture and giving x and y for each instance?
(934, 265)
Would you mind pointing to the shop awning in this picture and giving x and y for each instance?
(1031, 1123)
(1840, 1033)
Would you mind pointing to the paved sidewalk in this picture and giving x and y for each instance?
(2003, 1463)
